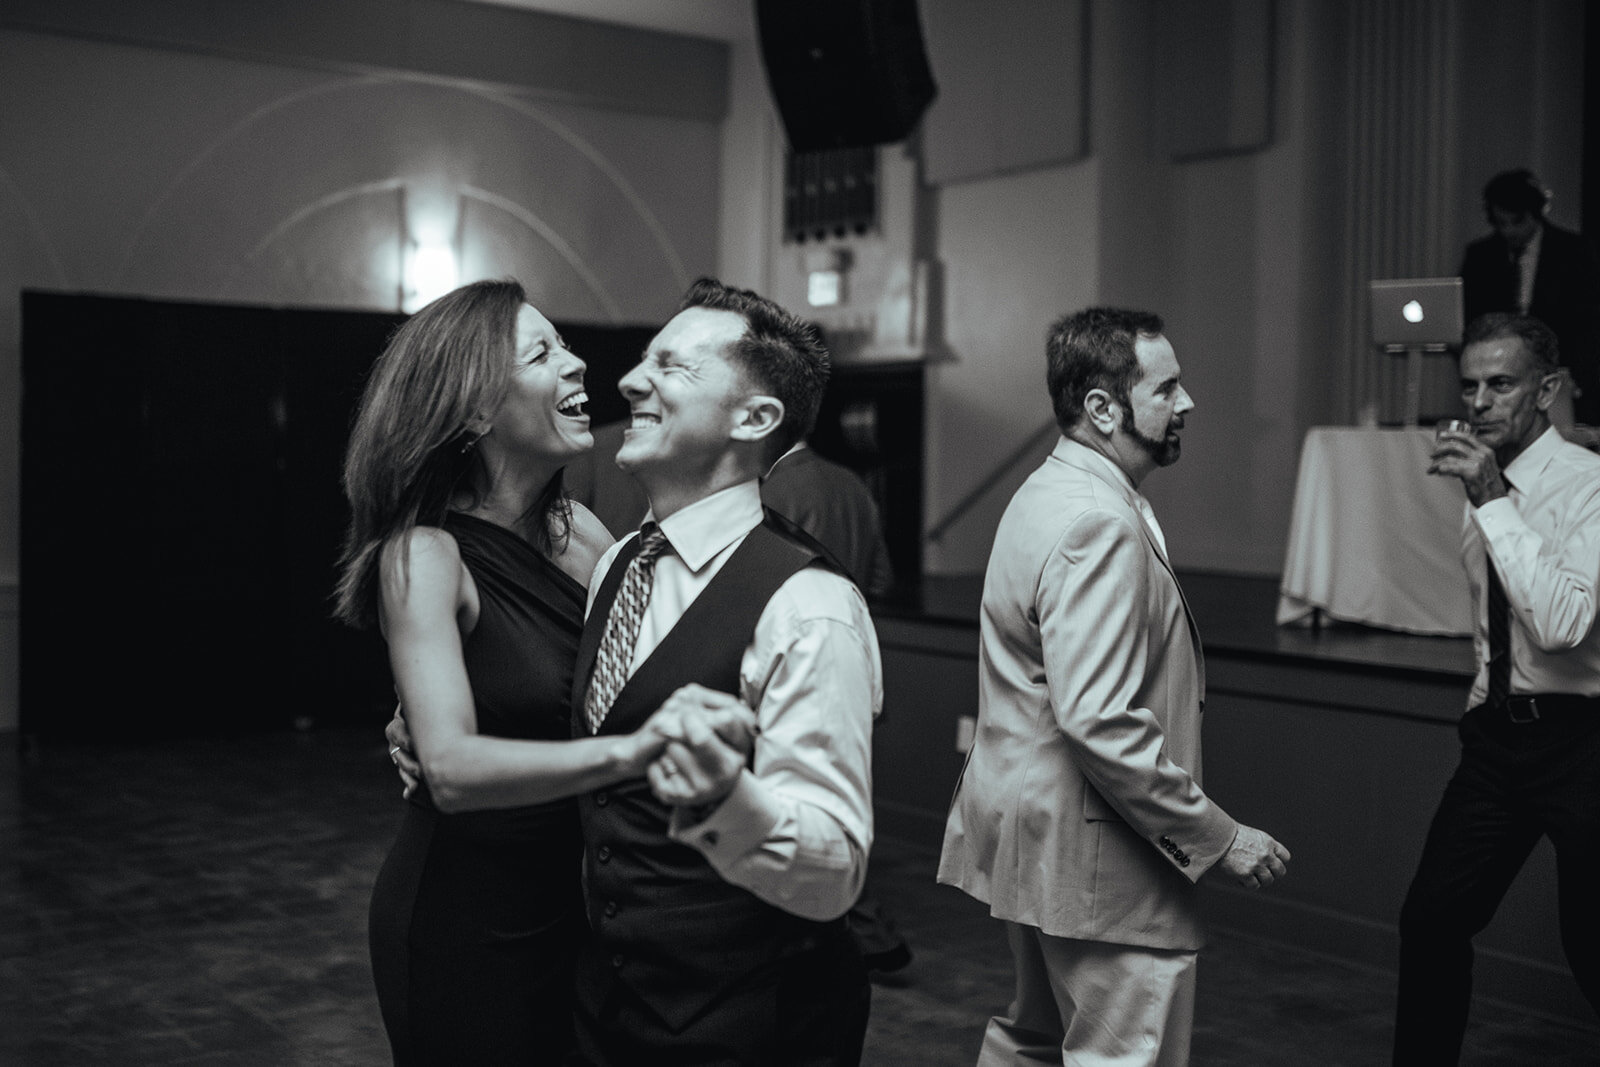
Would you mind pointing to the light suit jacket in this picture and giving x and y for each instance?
(1080, 810)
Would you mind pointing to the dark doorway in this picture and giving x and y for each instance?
(182, 514)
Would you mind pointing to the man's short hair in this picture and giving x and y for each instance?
(1538, 340)
(1093, 349)
(782, 354)
(1516, 190)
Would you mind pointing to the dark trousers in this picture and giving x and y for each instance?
(808, 1010)
(1516, 783)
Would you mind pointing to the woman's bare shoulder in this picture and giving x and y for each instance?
(421, 546)
(421, 558)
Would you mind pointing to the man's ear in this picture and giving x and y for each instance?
(1101, 411)
(1549, 385)
(757, 417)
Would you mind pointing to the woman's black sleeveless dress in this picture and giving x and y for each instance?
(476, 916)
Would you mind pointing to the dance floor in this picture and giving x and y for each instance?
(204, 902)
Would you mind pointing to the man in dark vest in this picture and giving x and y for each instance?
(716, 886)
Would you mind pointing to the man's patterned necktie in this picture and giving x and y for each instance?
(615, 654)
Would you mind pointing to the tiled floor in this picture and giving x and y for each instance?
(203, 902)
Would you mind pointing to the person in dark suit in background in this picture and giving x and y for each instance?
(1530, 266)
(830, 502)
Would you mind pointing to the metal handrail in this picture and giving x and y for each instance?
(978, 492)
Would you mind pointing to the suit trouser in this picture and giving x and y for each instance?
(1515, 784)
(1090, 1004)
(806, 1010)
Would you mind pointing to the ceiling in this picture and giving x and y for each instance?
(726, 20)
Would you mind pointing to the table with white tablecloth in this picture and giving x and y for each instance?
(1374, 538)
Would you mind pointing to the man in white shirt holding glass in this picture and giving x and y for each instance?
(1530, 741)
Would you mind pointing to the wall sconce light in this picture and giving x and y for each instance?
(432, 222)
(825, 276)
(430, 272)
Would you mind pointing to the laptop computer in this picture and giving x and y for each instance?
(1416, 313)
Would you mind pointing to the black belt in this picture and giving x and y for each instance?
(1533, 708)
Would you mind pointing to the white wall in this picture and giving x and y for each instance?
(1234, 253)
(1250, 250)
(752, 155)
(1017, 253)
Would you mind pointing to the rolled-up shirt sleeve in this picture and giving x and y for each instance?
(1551, 582)
(797, 827)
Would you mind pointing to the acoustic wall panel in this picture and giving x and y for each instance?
(1214, 64)
(1013, 86)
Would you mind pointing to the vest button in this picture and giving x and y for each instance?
(611, 909)
(601, 800)
(616, 961)
(603, 854)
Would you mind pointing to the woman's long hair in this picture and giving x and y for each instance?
(412, 448)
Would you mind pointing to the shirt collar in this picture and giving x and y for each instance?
(1531, 461)
(1531, 252)
(698, 531)
(796, 447)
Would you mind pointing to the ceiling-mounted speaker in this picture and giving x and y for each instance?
(845, 73)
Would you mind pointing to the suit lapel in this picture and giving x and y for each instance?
(1067, 451)
(1194, 629)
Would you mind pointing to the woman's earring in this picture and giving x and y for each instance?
(475, 429)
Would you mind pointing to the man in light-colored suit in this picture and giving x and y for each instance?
(1079, 817)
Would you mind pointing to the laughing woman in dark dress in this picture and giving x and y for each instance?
(465, 552)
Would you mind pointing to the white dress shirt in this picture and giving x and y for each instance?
(1545, 537)
(797, 827)
(1527, 268)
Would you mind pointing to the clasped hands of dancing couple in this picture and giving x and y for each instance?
(692, 749)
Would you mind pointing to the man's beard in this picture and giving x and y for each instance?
(1163, 451)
